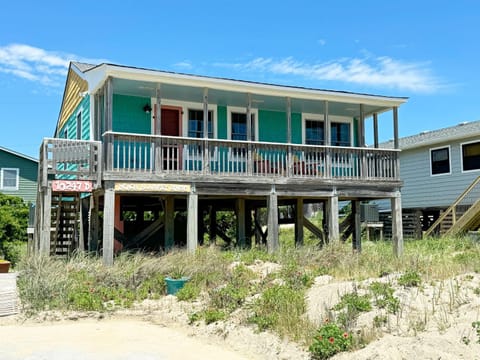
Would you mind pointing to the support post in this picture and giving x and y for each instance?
(357, 233)
(272, 225)
(108, 109)
(299, 222)
(249, 135)
(94, 223)
(333, 226)
(169, 222)
(206, 152)
(108, 222)
(240, 210)
(328, 141)
(46, 221)
(157, 130)
(395, 127)
(397, 227)
(289, 137)
(213, 224)
(192, 220)
(375, 130)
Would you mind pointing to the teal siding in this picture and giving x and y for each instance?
(71, 124)
(296, 128)
(128, 115)
(28, 169)
(272, 126)
(222, 122)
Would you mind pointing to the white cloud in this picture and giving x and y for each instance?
(321, 42)
(31, 63)
(382, 71)
(184, 64)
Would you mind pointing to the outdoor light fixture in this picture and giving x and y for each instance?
(147, 108)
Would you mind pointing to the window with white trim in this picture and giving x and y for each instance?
(9, 178)
(340, 134)
(440, 160)
(471, 156)
(239, 126)
(195, 123)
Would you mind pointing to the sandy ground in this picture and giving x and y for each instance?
(121, 339)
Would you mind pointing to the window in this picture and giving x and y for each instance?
(65, 133)
(471, 156)
(79, 126)
(315, 133)
(9, 179)
(340, 134)
(440, 160)
(195, 123)
(239, 126)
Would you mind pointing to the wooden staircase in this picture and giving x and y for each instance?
(458, 219)
(64, 223)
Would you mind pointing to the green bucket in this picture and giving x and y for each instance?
(173, 285)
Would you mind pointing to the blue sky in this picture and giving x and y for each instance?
(425, 50)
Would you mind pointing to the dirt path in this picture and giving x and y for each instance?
(119, 339)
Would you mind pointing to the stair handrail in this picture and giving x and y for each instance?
(452, 207)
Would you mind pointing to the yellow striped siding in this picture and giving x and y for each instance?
(71, 99)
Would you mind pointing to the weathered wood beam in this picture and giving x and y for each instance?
(108, 222)
(272, 225)
(240, 212)
(333, 219)
(397, 227)
(46, 221)
(299, 222)
(357, 232)
(192, 220)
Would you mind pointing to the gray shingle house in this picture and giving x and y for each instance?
(436, 168)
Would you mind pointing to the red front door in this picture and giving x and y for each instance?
(171, 127)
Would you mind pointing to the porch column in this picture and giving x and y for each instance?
(169, 222)
(332, 213)
(361, 127)
(375, 130)
(206, 152)
(299, 222)
(249, 134)
(272, 225)
(46, 221)
(240, 210)
(395, 127)
(289, 137)
(108, 222)
(397, 227)
(192, 220)
(327, 140)
(108, 109)
(357, 233)
(157, 130)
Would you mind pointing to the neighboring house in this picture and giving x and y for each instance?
(18, 175)
(436, 168)
(143, 155)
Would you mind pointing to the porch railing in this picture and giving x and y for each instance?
(70, 159)
(229, 158)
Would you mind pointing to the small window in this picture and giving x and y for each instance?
(471, 156)
(79, 126)
(340, 134)
(195, 124)
(314, 132)
(239, 126)
(440, 161)
(9, 179)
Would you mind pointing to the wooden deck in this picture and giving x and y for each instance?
(152, 158)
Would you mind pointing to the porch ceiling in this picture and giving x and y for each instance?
(233, 98)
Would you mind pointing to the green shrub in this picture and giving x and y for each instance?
(13, 226)
(213, 315)
(190, 291)
(329, 340)
(383, 297)
(410, 279)
(350, 307)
